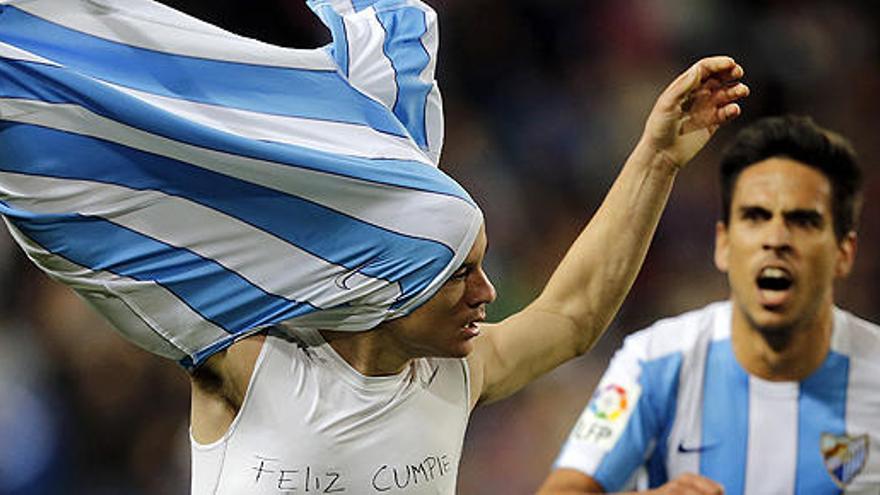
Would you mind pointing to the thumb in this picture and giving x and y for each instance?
(680, 89)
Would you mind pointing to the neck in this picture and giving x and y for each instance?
(368, 352)
(782, 354)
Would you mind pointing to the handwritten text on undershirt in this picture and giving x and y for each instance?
(270, 473)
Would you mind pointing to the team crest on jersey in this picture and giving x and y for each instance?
(607, 414)
(844, 456)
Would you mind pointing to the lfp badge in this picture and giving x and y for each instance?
(608, 413)
(609, 402)
(844, 456)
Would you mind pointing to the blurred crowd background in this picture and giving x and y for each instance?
(544, 99)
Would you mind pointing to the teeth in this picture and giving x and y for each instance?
(775, 279)
(770, 272)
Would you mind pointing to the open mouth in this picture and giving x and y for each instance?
(775, 279)
(472, 328)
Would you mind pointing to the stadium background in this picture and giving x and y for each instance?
(543, 101)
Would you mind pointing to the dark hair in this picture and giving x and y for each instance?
(800, 139)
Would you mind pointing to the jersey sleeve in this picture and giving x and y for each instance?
(387, 49)
(623, 422)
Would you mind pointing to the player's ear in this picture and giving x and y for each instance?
(721, 246)
(846, 254)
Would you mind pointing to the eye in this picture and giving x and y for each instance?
(461, 273)
(806, 219)
(754, 214)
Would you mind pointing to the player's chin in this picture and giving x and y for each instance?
(457, 343)
(459, 349)
(772, 319)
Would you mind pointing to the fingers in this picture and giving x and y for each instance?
(694, 106)
(727, 94)
(728, 112)
(707, 75)
(723, 68)
(725, 104)
(698, 485)
(716, 118)
(712, 105)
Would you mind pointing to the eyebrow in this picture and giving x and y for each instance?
(753, 209)
(803, 214)
(794, 214)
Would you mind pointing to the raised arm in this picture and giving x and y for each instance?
(589, 285)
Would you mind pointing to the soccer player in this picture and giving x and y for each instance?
(274, 220)
(773, 391)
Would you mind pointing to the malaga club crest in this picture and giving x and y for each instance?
(844, 456)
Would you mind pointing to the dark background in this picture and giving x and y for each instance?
(543, 100)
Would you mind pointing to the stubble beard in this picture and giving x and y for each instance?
(779, 336)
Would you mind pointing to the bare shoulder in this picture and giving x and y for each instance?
(484, 351)
(510, 354)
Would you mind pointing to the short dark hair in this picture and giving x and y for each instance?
(798, 138)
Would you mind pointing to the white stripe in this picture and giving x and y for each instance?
(331, 137)
(434, 125)
(771, 459)
(688, 328)
(687, 428)
(862, 404)
(15, 53)
(265, 260)
(386, 206)
(855, 337)
(153, 26)
(433, 103)
(859, 340)
(341, 7)
(170, 333)
(370, 71)
(430, 41)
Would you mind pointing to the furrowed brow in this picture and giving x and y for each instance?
(753, 211)
(805, 215)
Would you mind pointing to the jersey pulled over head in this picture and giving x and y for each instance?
(195, 186)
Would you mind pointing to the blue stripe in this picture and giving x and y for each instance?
(219, 295)
(821, 409)
(651, 420)
(656, 467)
(323, 95)
(339, 46)
(54, 85)
(662, 375)
(191, 362)
(355, 244)
(725, 419)
(403, 46)
(360, 5)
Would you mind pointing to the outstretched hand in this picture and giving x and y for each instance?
(689, 484)
(693, 107)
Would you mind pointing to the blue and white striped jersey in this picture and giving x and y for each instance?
(195, 185)
(675, 400)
